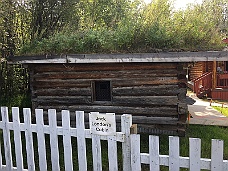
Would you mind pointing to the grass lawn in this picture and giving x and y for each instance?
(205, 133)
(223, 110)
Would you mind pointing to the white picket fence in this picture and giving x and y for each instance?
(67, 132)
(174, 161)
(132, 157)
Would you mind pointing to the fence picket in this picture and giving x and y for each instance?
(194, 153)
(1, 127)
(96, 150)
(81, 143)
(112, 157)
(41, 139)
(67, 140)
(6, 137)
(29, 139)
(154, 153)
(53, 139)
(174, 158)
(17, 138)
(0, 156)
(217, 155)
(135, 152)
(112, 146)
(126, 122)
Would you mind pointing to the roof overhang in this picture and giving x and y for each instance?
(123, 58)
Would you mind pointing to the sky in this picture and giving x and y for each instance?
(180, 3)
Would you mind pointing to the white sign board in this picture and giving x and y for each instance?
(102, 124)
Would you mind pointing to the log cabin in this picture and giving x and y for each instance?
(150, 86)
(209, 79)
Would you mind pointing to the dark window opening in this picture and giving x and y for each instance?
(102, 91)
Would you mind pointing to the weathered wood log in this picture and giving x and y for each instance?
(61, 92)
(164, 129)
(160, 90)
(115, 82)
(146, 100)
(150, 120)
(61, 84)
(182, 108)
(105, 74)
(102, 67)
(117, 100)
(137, 111)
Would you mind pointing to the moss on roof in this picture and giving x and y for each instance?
(131, 40)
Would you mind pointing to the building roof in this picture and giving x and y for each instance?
(122, 58)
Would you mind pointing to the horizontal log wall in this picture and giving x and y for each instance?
(208, 66)
(149, 91)
(196, 70)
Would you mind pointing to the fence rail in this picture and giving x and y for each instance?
(131, 155)
(222, 80)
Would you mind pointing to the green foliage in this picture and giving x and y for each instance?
(105, 27)
(158, 11)
(49, 16)
(156, 36)
(92, 26)
(7, 31)
(14, 86)
(198, 30)
(86, 41)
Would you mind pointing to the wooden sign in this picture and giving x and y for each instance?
(102, 124)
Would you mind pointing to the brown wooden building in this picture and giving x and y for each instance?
(150, 86)
(209, 78)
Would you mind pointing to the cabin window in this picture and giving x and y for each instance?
(101, 91)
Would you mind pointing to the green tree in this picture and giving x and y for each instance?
(7, 27)
(199, 26)
(103, 13)
(14, 26)
(50, 16)
(157, 18)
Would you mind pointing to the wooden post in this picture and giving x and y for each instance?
(189, 116)
(126, 122)
(214, 75)
(133, 129)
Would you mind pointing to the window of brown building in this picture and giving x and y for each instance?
(102, 91)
